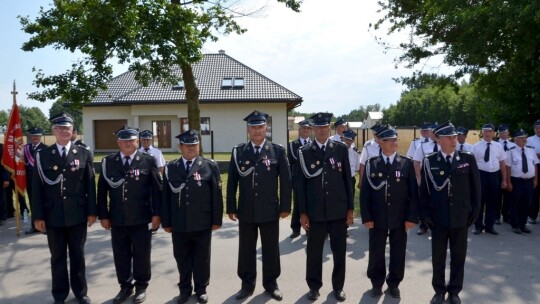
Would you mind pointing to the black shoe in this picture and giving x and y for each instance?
(476, 231)
(123, 295)
(275, 294)
(491, 231)
(497, 222)
(394, 292)
(140, 296)
(438, 298)
(202, 298)
(294, 234)
(183, 298)
(84, 300)
(32, 230)
(531, 221)
(313, 294)
(59, 302)
(516, 230)
(243, 293)
(454, 299)
(525, 229)
(375, 292)
(340, 295)
(421, 231)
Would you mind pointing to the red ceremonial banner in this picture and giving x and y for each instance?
(13, 154)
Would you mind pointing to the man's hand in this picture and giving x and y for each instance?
(350, 217)
(106, 223)
(5, 184)
(156, 221)
(284, 214)
(40, 225)
(167, 229)
(409, 225)
(216, 227)
(91, 220)
(232, 216)
(304, 221)
(369, 224)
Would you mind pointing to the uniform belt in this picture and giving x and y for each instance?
(522, 178)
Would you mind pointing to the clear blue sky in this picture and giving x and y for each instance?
(326, 54)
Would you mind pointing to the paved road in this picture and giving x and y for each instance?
(499, 269)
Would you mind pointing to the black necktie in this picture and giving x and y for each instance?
(146, 150)
(387, 163)
(486, 155)
(64, 154)
(257, 152)
(427, 139)
(524, 167)
(188, 166)
(435, 147)
(126, 163)
(322, 148)
(505, 147)
(461, 147)
(448, 162)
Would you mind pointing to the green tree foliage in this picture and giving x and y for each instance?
(496, 42)
(4, 117)
(30, 117)
(436, 104)
(361, 113)
(60, 106)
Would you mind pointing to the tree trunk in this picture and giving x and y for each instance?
(192, 100)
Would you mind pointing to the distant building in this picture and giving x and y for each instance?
(229, 90)
(372, 119)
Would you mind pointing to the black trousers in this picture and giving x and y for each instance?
(353, 182)
(490, 184)
(338, 243)
(522, 194)
(192, 254)
(295, 217)
(376, 270)
(505, 204)
(247, 254)
(131, 246)
(441, 237)
(3, 204)
(535, 202)
(61, 240)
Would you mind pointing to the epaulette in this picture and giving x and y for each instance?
(240, 145)
(416, 139)
(367, 143)
(466, 152)
(432, 153)
(278, 145)
(405, 156)
(80, 144)
(513, 147)
(373, 156)
(111, 155)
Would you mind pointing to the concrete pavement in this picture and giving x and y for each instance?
(499, 269)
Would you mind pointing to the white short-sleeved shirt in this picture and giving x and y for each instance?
(414, 145)
(464, 147)
(425, 149)
(496, 155)
(156, 153)
(354, 160)
(534, 141)
(509, 144)
(514, 159)
(370, 149)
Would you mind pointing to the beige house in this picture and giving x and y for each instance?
(229, 91)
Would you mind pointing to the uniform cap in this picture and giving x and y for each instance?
(256, 118)
(445, 129)
(519, 133)
(127, 133)
(349, 134)
(462, 130)
(426, 126)
(503, 128)
(536, 123)
(340, 122)
(35, 131)
(190, 137)
(62, 119)
(146, 134)
(488, 126)
(305, 123)
(387, 132)
(376, 128)
(321, 119)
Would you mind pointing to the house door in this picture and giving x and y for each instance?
(162, 134)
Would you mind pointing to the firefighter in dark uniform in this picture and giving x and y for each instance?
(389, 207)
(63, 204)
(304, 132)
(449, 204)
(260, 171)
(29, 151)
(192, 208)
(129, 199)
(326, 204)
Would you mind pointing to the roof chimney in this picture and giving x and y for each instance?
(222, 51)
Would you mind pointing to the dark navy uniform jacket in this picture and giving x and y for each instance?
(192, 201)
(292, 157)
(389, 197)
(63, 192)
(324, 181)
(450, 196)
(258, 180)
(130, 198)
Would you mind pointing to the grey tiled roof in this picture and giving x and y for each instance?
(209, 72)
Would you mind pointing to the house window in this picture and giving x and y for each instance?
(179, 85)
(232, 83)
(162, 134)
(205, 125)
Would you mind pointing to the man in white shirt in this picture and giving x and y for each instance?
(504, 200)
(425, 134)
(534, 141)
(147, 147)
(340, 125)
(371, 148)
(489, 156)
(521, 161)
(354, 157)
(462, 145)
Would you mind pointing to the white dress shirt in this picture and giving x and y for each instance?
(514, 161)
(496, 155)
